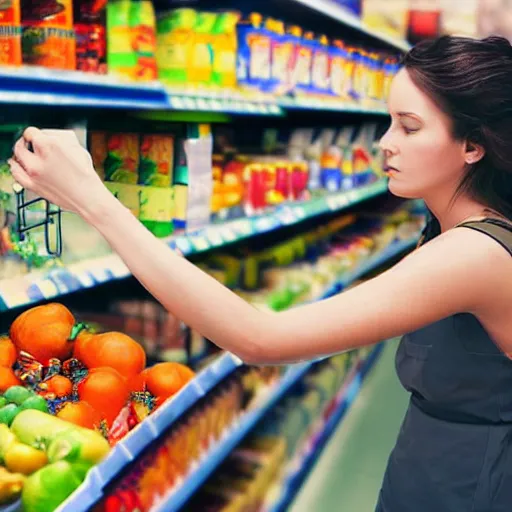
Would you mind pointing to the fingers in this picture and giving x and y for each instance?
(20, 175)
(30, 162)
(38, 139)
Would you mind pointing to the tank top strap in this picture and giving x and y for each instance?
(499, 230)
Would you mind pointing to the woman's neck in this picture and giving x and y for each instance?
(450, 213)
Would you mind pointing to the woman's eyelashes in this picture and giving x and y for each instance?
(408, 130)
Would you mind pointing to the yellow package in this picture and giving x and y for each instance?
(156, 160)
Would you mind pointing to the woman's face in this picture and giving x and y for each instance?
(422, 157)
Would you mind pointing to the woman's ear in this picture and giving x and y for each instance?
(474, 153)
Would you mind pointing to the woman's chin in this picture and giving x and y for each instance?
(399, 189)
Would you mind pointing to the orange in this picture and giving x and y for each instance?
(81, 414)
(44, 332)
(114, 350)
(7, 379)
(166, 379)
(8, 353)
(106, 391)
(60, 386)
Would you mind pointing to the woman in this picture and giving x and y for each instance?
(451, 111)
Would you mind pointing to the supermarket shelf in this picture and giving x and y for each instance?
(212, 460)
(40, 286)
(301, 466)
(334, 10)
(326, 104)
(40, 86)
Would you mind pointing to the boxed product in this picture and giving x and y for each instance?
(254, 66)
(156, 160)
(10, 33)
(48, 36)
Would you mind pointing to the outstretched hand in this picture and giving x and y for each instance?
(58, 169)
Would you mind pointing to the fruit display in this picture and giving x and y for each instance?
(67, 396)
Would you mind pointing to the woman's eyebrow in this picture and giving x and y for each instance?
(409, 114)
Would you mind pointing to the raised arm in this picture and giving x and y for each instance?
(447, 276)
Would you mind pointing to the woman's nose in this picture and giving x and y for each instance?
(386, 144)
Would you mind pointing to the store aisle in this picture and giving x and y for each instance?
(349, 474)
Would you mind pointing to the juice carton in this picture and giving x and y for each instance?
(320, 68)
(156, 210)
(156, 160)
(10, 33)
(200, 67)
(224, 50)
(360, 75)
(122, 162)
(294, 36)
(175, 44)
(121, 57)
(282, 48)
(129, 195)
(339, 78)
(143, 34)
(193, 179)
(254, 53)
(48, 38)
(304, 65)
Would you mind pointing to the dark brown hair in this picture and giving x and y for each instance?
(471, 81)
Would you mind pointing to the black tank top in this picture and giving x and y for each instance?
(454, 450)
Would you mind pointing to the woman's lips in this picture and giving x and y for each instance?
(390, 170)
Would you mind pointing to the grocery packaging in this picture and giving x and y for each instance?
(156, 161)
(143, 34)
(123, 158)
(224, 48)
(175, 45)
(254, 53)
(48, 37)
(10, 33)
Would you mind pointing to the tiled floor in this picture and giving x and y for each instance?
(349, 474)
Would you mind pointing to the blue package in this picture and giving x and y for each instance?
(254, 53)
(320, 76)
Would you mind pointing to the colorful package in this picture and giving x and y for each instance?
(359, 75)
(294, 35)
(48, 13)
(10, 33)
(143, 34)
(156, 210)
(224, 50)
(282, 48)
(320, 68)
(254, 53)
(339, 67)
(121, 57)
(122, 162)
(175, 41)
(200, 66)
(48, 38)
(304, 64)
(156, 160)
(128, 195)
(91, 47)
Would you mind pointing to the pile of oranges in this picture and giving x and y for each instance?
(115, 366)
